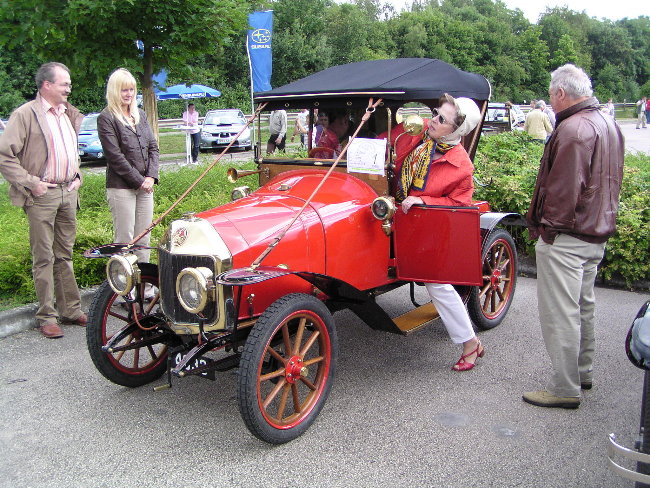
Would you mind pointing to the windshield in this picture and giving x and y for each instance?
(89, 123)
(223, 119)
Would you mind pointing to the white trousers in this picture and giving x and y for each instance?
(132, 212)
(452, 312)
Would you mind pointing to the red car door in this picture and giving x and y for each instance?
(438, 245)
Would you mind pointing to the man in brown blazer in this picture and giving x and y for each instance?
(39, 158)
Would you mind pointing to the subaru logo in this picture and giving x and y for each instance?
(261, 36)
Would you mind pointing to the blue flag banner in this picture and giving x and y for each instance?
(258, 45)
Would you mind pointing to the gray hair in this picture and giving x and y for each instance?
(573, 80)
(46, 72)
(540, 104)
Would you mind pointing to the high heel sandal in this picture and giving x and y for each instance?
(463, 364)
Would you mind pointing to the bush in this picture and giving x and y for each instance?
(508, 164)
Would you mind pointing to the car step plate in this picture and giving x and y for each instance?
(415, 319)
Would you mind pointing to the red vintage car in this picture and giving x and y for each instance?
(253, 284)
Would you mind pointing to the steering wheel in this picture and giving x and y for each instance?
(321, 149)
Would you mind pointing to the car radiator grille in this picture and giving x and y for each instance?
(170, 265)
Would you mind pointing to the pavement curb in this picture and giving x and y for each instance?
(22, 318)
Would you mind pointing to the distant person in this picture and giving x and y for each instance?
(301, 127)
(640, 113)
(322, 122)
(332, 135)
(278, 130)
(39, 158)
(191, 119)
(548, 110)
(572, 214)
(611, 110)
(537, 123)
(647, 110)
(131, 161)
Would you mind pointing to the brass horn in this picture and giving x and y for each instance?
(414, 125)
(234, 174)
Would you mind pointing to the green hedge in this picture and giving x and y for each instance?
(505, 163)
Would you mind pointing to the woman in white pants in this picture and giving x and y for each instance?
(132, 161)
(436, 170)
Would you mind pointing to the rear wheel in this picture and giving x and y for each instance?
(287, 367)
(489, 303)
(109, 313)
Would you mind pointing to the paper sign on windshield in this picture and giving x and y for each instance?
(367, 156)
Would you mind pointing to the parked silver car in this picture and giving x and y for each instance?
(221, 126)
(500, 117)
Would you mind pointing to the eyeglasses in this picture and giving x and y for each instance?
(64, 85)
(441, 118)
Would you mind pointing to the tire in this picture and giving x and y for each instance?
(281, 393)
(135, 367)
(489, 303)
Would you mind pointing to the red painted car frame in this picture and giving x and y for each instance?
(253, 284)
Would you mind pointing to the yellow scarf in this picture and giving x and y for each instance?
(415, 167)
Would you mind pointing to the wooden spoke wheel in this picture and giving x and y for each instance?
(489, 303)
(109, 313)
(287, 367)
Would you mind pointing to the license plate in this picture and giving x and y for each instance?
(223, 141)
(81, 153)
(197, 363)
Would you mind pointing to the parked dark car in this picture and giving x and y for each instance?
(253, 284)
(220, 128)
(90, 148)
(502, 117)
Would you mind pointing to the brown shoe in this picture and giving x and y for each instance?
(51, 330)
(82, 320)
(545, 399)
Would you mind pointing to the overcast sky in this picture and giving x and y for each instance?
(607, 9)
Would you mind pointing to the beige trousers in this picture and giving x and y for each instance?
(132, 212)
(52, 232)
(566, 272)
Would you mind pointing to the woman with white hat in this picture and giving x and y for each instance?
(438, 171)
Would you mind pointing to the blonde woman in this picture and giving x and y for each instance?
(132, 160)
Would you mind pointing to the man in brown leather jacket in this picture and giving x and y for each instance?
(573, 213)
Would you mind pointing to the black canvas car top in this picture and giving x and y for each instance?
(391, 79)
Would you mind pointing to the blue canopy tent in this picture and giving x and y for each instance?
(185, 92)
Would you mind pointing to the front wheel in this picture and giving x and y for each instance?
(141, 359)
(489, 303)
(287, 368)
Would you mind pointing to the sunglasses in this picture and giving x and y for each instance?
(441, 118)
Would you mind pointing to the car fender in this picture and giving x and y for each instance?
(336, 293)
(490, 220)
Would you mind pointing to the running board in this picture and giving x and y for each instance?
(416, 319)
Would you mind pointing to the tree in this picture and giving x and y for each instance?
(93, 37)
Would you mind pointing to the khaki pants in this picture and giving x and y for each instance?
(132, 212)
(52, 231)
(566, 272)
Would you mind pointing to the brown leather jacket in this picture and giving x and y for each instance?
(131, 155)
(579, 177)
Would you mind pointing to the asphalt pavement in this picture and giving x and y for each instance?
(397, 415)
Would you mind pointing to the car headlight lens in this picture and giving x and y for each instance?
(194, 288)
(383, 208)
(123, 273)
(240, 192)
